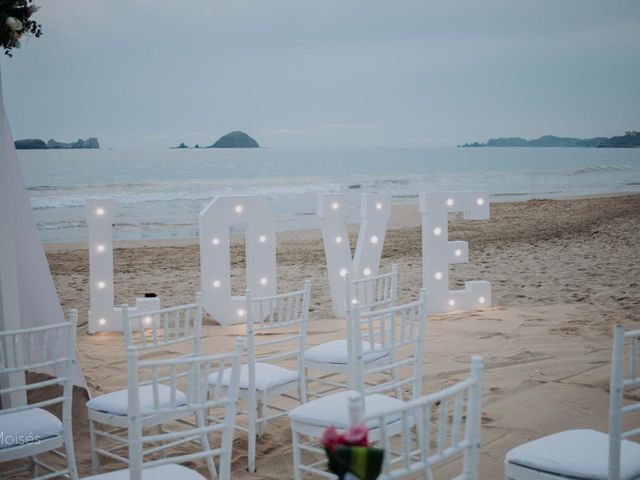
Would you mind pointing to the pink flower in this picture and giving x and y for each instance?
(331, 438)
(356, 435)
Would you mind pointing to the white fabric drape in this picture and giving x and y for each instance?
(25, 270)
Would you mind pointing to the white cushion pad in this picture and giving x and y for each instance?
(334, 409)
(580, 454)
(267, 376)
(336, 352)
(171, 470)
(117, 403)
(20, 428)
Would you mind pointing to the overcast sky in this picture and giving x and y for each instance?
(153, 73)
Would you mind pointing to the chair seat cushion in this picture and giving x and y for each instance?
(334, 409)
(171, 470)
(336, 352)
(267, 376)
(582, 454)
(27, 426)
(117, 403)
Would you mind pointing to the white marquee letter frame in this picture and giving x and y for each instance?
(216, 220)
(374, 216)
(438, 252)
(102, 314)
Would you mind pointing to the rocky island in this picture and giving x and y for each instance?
(37, 144)
(629, 140)
(235, 139)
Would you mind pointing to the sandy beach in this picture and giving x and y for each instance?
(563, 272)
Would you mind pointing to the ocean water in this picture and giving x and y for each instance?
(158, 193)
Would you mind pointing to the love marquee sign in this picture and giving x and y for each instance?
(217, 219)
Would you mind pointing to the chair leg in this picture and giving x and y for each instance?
(394, 377)
(70, 453)
(204, 441)
(262, 417)
(295, 440)
(251, 433)
(95, 458)
(32, 466)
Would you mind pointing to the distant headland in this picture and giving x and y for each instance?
(630, 139)
(37, 144)
(235, 139)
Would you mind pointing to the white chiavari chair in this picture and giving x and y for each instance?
(158, 454)
(427, 431)
(145, 333)
(276, 333)
(330, 359)
(585, 453)
(30, 430)
(397, 332)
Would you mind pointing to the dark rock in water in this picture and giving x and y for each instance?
(31, 144)
(182, 145)
(196, 146)
(355, 186)
(91, 142)
(235, 139)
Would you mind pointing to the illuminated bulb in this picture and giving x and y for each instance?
(481, 300)
(374, 239)
(216, 241)
(262, 239)
(379, 206)
(335, 205)
(452, 303)
(354, 301)
(437, 231)
(438, 275)
(343, 272)
(216, 283)
(99, 211)
(338, 239)
(147, 320)
(458, 252)
(367, 272)
(480, 201)
(101, 284)
(102, 321)
(241, 313)
(450, 202)
(263, 281)
(238, 208)
(100, 248)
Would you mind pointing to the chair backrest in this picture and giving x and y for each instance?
(621, 379)
(32, 349)
(394, 333)
(371, 292)
(430, 429)
(164, 327)
(188, 380)
(276, 314)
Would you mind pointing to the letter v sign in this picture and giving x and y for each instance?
(374, 215)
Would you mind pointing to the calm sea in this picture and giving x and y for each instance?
(160, 192)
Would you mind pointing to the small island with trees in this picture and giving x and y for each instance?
(630, 139)
(236, 139)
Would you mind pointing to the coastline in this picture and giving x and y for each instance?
(403, 215)
(563, 272)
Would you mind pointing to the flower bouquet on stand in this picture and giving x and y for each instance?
(350, 456)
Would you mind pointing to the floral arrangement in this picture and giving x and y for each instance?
(15, 21)
(350, 455)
